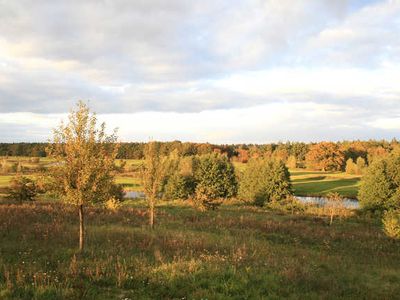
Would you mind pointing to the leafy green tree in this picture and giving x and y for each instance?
(179, 179)
(84, 155)
(380, 186)
(264, 181)
(179, 186)
(215, 180)
(22, 189)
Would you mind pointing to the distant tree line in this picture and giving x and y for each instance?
(328, 156)
(23, 149)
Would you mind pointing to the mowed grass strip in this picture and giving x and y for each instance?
(236, 252)
(130, 183)
(319, 183)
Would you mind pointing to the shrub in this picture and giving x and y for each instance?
(351, 167)
(380, 186)
(215, 180)
(391, 224)
(355, 168)
(22, 189)
(264, 181)
(112, 204)
(117, 192)
(179, 187)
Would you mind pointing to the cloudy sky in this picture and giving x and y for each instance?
(219, 71)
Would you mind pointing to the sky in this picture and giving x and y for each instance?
(216, 71)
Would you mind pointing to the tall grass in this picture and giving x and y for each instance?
(237, 252)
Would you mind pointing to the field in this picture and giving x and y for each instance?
(236, 252)
(305, 183)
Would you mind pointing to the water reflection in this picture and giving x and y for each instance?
(322, 201)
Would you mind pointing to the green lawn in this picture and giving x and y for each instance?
(318, 183)
(129, 183)
(235, 252)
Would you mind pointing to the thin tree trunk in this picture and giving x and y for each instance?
(81, 229)
(151, 216)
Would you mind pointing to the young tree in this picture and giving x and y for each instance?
(335, 205)
(351, 167)
(264, 181)
(361, 165)
(179, 180)
(152, 175)
(380, 186)
(84, 154)
(215, 180)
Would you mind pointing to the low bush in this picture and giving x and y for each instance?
(22, 189)
(391, 224)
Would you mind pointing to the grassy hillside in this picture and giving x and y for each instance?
(233, 253)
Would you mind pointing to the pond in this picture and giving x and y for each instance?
(347, 202)
(322, 201)
(134, 194)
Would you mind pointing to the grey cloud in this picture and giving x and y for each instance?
(163, 54)
(367, 38)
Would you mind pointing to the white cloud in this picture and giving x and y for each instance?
(368, 37)
(308, 82)
(386, 123)
(305, 121)
(205, 61)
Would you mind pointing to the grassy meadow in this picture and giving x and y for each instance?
(236, 252)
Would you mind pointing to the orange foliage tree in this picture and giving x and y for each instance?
(325, 156)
